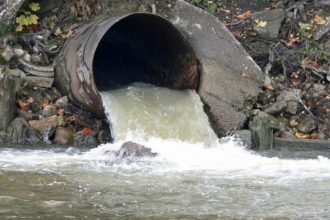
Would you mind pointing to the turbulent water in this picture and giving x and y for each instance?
(194, 176)
(141, 111)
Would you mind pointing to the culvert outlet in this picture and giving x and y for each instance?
(108, 54)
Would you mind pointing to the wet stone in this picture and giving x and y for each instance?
(81, 140)
(276, 108)
(3, 137)
(19, 132)
(307, 125)
(49, 110)
(131, 149)
(64, 136)
(103, 137)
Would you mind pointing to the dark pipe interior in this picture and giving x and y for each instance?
(144, 48)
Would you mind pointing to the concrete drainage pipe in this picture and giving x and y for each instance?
(140, 47)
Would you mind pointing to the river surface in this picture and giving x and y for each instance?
(191, 178)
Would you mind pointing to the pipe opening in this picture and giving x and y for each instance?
(144, 48)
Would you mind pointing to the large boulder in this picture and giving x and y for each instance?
(230, 79)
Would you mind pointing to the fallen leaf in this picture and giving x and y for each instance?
(315, 64)
(237, 33)
(261, 24)
(244, 16)
(292, 41)
(306, 136)
(319, 20)
(246, 75)
(293, 123)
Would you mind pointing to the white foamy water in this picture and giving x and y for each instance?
(196, 148)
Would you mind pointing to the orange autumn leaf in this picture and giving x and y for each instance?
(291, 41)
(315, 64)
(237, 33)
(306, 136)
(319, 20)
(244, 16)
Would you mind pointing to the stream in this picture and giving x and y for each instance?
(194, 176)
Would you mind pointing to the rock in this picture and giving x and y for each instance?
(27, 115)
(262, 129)
(7, 53)
(272, 21)
(8, 10)
(40, 59)
(27, 57)
(7, 98)
(81, 140)
(307, 125)
(62, 102)
(324, 2)
(3, 137)
(289, 95)
(318, 90)
(293, 123)
(43, 125)
(18, 52)
(19, 132)
(287, 135)
(131, 149)
(103, 137)
(39, 81)
(49, 110)
(64, 136)
(48, 6)
(283, 122)
(17, 73)
(265, 97)
(292, 108)
(35, 70)
(276, 108)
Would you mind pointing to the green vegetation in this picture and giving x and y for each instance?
(209, 6)
(28, 17)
